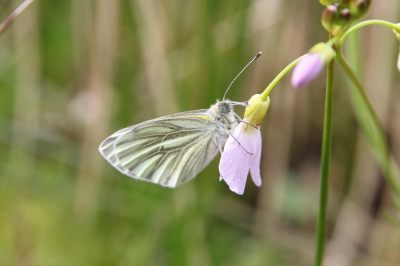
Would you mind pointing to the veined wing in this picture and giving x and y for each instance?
(169, 150)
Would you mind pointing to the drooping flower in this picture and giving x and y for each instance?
(242, 151)
(311, 65)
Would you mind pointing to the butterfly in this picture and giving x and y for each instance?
(172, 149)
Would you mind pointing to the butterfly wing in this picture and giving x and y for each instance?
(169, 150)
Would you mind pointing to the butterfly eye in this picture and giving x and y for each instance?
(223, 108)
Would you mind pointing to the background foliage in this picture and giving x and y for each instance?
(72, 72)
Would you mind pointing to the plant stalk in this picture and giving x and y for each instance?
(380, 148)
(325, 163)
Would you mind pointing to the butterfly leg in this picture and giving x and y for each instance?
(240, 144)
(220, 149)
(242, 121)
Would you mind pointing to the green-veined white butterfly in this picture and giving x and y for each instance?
(172, 149)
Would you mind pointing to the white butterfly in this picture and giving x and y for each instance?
(172, 149)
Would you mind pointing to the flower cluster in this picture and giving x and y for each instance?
(339, 15)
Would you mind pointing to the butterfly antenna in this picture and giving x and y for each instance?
(241, 71)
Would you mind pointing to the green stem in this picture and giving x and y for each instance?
(381, 147)
(325, 162)
(352, 76)
(275, 81)
(362, 24)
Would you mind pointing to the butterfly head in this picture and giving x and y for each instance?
(224, 107)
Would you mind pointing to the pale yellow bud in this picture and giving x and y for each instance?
(256, 110)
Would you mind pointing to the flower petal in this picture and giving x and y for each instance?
(255, 161)
(234, 164)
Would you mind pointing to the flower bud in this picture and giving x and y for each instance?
(311, 65)
(330, 17)
(345, 14)
(359, 7)
(256, 109)
(327, 2)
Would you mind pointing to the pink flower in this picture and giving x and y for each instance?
(309, 67)
(241, 155)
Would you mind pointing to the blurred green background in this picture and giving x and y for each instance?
(72, 72)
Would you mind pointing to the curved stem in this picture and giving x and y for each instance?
(362, 24)
(275, 81)
(381, 150)
(325, 162)
(13, 16)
